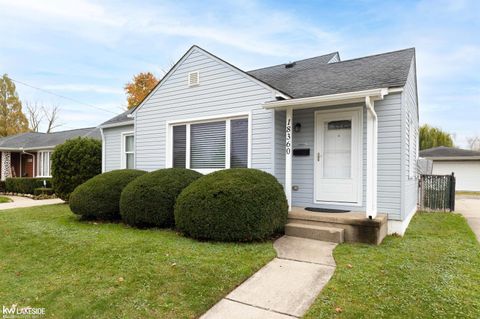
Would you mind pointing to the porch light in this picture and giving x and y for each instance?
(297, 127)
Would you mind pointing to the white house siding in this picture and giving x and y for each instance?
(467, 173)
(389, 162)
(389, 197)
(222, 91)
(113, 146)
(410, 110)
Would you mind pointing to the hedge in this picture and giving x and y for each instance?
(149, 200)
(3, 187)
(43, 191)
(99, 197)
(237, 204)
(73, 163)
(26, 185)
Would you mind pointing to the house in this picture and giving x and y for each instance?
(465, 164)
(28, 154)
(339, 135)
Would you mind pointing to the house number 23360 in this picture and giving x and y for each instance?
(288, 142)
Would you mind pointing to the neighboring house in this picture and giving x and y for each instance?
(28, 154)
(337, 134)
(465, 164)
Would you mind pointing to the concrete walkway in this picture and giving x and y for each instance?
(285, 287)
(469, 207)
(19, 202)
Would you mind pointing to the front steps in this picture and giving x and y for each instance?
(330, 234)
(336, 227)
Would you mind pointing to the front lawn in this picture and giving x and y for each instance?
(432, 272)
(4, 199)
(92, 270)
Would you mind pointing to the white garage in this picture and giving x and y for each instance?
(465, 164)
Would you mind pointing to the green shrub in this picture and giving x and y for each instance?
(237, 204)
(99, 197)
(149, 200)
(74, 162)
(43, 191)
(26, 185)
(3, 187)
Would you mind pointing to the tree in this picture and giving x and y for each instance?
(51, 114)
(38, 113)
(34, 116)
(12, 119)
(433, 137)
(474, 143)
(139, 88)
(73, 163)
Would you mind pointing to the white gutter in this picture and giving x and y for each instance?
(123, 123)
(331, 99)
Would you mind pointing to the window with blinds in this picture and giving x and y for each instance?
(239, 143)
(179, 146)
(206, 146)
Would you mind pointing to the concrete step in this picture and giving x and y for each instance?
(330, 234)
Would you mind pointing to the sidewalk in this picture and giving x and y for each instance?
(469, 207)
(285, 287)
(19, 202)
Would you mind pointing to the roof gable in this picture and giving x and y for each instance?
(197, 49)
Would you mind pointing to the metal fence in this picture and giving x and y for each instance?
(437, 192)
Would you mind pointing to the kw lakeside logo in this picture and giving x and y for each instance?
(15, 312)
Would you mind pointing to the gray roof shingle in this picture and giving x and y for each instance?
(315, 77)
(443, 151)
(33, 140)
(120, 118)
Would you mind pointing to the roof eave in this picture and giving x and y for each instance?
(123, 123)
(331, 99)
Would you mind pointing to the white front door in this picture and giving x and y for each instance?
(338, 151)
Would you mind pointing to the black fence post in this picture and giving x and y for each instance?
(452, 192)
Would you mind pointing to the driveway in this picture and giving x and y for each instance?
(19, 202)
(469, 207)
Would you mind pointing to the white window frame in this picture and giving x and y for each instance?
(206, 119)
(39, 163)
(123, 155)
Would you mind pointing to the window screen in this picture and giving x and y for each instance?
(207, 145)
(239, 143)
(179, 146)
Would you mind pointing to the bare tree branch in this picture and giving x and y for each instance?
(51, 114)
(474, 143)
(34, 115)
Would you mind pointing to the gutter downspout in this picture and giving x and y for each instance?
(103, 150)
(372, 165)
(33, 161)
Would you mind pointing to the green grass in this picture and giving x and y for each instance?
(4, 199)
(87, 270)
(432, 272)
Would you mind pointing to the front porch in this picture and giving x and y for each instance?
(17, 164)
(336, 227)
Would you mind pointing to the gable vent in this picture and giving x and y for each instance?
(290, 65)
(193, 78)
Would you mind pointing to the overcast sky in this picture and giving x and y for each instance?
(87, 50)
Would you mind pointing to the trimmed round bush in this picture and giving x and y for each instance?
(99, 197)
(149, 200)
(73, 163)
(238, 204)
